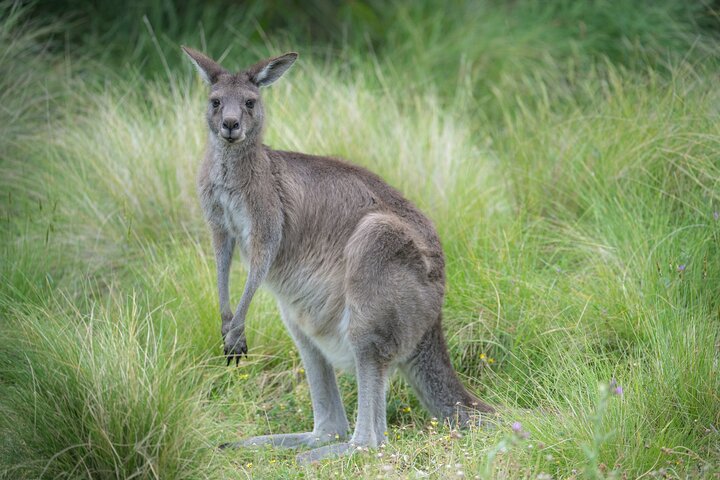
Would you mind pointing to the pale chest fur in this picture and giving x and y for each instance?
(226, 208)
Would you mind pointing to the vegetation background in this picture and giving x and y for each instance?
(568, 151)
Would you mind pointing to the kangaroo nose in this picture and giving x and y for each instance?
(231, 123)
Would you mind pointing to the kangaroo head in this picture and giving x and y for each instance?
(235, 111)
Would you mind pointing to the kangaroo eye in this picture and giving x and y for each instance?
(250, 103)
(215, 103)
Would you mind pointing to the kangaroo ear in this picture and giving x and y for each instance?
(209, 70)
(266, 72)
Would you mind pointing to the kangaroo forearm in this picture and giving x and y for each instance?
(251, 287)
(224, 246)
(223, 280)
(257, 273)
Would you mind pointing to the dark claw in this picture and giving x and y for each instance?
(236, 352)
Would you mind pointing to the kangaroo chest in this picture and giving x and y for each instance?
(228, 209)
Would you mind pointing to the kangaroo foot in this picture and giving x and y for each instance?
(328, 451)
(286, 440)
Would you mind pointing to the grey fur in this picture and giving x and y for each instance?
(357, 270)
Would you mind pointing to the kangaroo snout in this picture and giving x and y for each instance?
(230, 130)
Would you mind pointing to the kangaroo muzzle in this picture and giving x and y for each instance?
(230, 129)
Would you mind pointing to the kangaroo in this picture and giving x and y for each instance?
(356, 269)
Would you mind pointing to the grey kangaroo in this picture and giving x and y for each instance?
(357, 270)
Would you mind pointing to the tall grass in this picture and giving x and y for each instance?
(105, 394)
(566, 152)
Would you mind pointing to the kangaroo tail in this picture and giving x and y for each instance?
(430, 373)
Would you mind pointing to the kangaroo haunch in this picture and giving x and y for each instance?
(357, 270)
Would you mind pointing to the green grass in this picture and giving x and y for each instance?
(567, 152)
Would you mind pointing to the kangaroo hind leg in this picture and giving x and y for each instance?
(329, 418)
(386, 303)
(372, 378)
